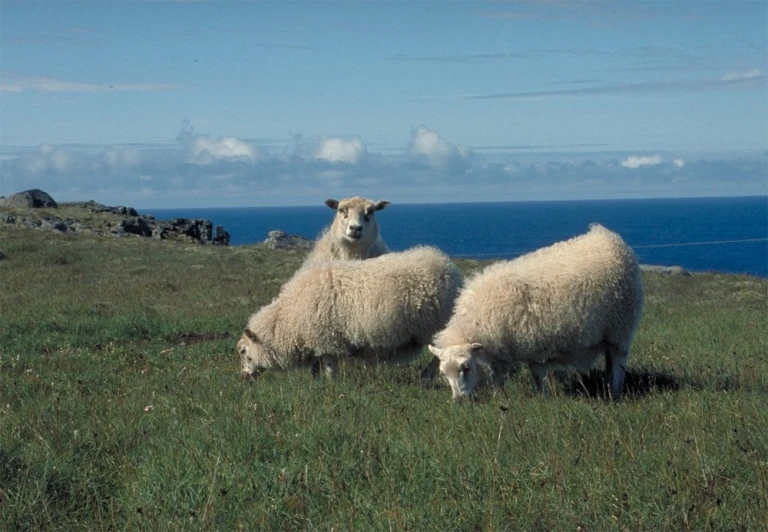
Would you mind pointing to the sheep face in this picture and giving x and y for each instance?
(355, 222)
(253, 354)
(460, 365)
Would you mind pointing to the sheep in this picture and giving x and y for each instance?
(384, 309)
(559, 307)
(353, 234)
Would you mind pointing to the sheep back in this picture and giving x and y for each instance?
(342, 307)
(556, 302)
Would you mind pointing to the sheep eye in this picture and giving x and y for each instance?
(465, 367)
(367, 218)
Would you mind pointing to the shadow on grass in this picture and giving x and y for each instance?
(638, 383)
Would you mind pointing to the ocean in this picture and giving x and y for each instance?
(699, 234)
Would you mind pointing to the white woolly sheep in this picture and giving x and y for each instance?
(559, 307)
(353, 234)
(384, 309)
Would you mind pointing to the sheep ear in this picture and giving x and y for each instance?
(251, 335)
(380, 205)
(332, 203)
(435, 351)
(476, 347)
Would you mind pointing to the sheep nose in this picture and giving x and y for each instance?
(356, 228)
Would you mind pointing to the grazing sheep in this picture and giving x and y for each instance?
(379, 310)
(559, 307)
(354, 233)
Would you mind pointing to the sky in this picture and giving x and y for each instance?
(227, 104)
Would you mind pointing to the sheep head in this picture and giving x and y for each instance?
(254, 355)
(355, 222)
(463, 366)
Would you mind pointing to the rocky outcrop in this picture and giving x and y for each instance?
(105, 220)
(29, 199)
(200, 230)
(666, 270)
(283, 240)
(134, 226)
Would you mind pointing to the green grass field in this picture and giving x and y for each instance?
(121, 406)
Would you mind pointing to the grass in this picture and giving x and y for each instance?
(121, 407)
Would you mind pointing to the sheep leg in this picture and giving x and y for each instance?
(330, 366)
(539, 372)
(500, 370)
(428, 374)
(326, 365)
(616, 368)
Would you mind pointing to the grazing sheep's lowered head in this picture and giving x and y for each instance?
(355, 222)
(465, 367)
(559, 308)
(254, 355)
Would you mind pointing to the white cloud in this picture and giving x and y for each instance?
(339, 150)
(205, 150)
(117, 156)
(640, 161)
(241, 173)
(12, 82)
(428, 146)
(752, 73)
(47, 158)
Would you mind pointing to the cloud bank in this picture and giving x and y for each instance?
(202, 170)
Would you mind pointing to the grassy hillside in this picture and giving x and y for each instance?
(121, 406)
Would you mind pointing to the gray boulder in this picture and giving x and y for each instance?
(666, 270)
(56, 224)
(283, 240)
(34, 199)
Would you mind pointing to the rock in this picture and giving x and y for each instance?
(56, 224)
(220, 236)
(133, 226)
(119, 210)
(33, 224)
(666, 270)
(197, 230)
(283, 240)
(126, 221)
(34, 198)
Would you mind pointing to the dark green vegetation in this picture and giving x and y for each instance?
(121, 405)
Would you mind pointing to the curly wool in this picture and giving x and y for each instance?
(384, 309)
(559, 306)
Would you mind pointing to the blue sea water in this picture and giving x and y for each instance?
(700, 234)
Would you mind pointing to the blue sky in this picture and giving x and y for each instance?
(203, 104)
